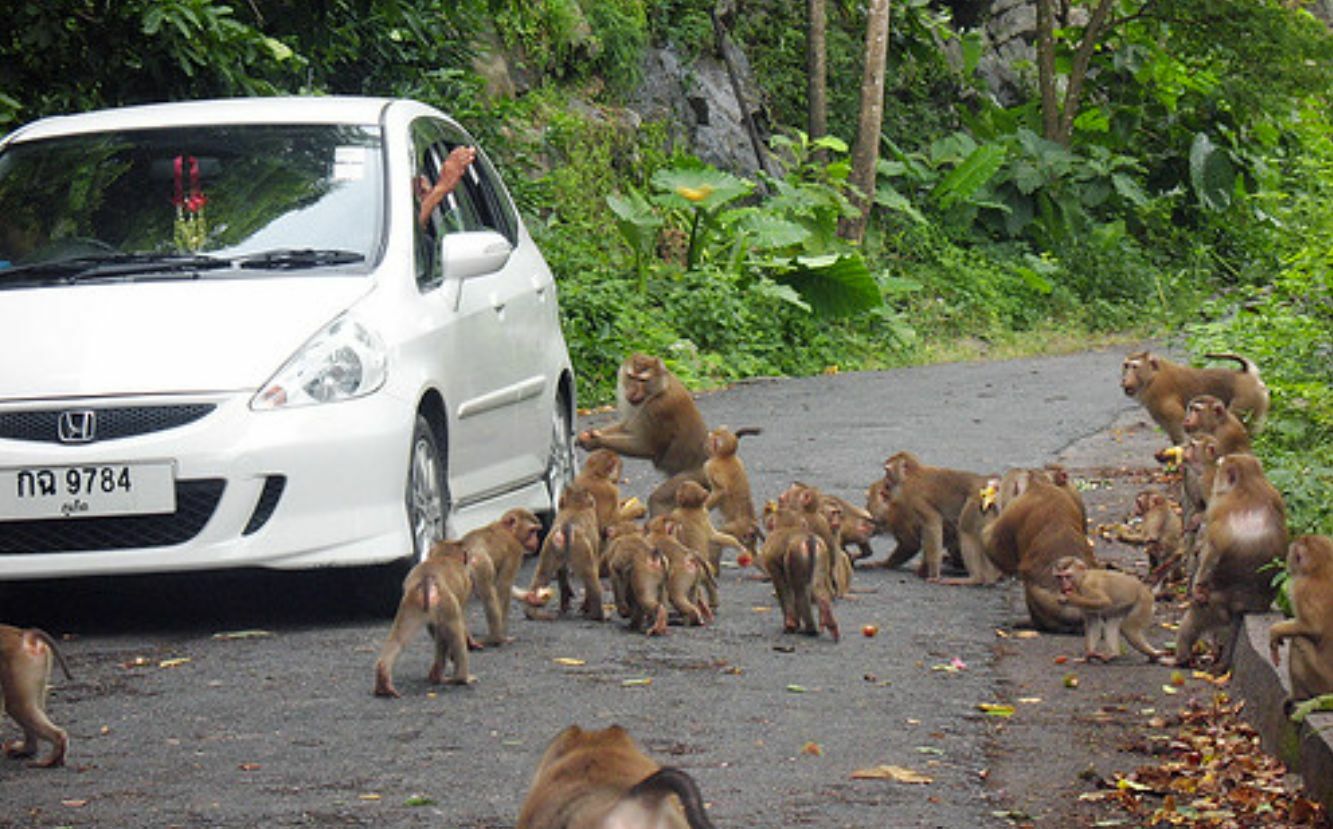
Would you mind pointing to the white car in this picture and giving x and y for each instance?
(229, 341)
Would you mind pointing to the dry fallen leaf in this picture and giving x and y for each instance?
(637, 683)
(569, 661)
(75, 803)
(173, 663)
(250, 766)
(897, 774)
(812, 749)
(994, 709)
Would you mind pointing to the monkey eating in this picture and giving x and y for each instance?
(729, 486)
(602, 780)
(1165, 388)
(658, 421)
(1112, 603)
(25, 669)
(434, 593)
(1310, 658)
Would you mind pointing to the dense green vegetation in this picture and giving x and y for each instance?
(1191, 196)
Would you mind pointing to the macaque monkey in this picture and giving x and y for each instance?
(819, 518)
(1161, 531)
(980, 509)
(571, 548)
(434, 593)
(638, 574)
(1244, 528)
(1310, 660)
(600, 476)
(858, 527)
(1197, 460)
(797, 560)
(1111, 603)
(1206, 415)
(688, 573)
(1060, 477)
(924, 506)
(832, 512)
(1038, 524)
(25, 670)
(695, 530)
(495, 554)
(658, 421)
(602, 780)
(1164, 388)
(729, 486)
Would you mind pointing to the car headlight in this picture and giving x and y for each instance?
(344, 361)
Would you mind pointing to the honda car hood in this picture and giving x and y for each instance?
(161, 337)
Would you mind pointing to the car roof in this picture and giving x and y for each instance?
(310, 109)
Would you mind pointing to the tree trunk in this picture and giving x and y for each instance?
(1050, 108)
(865, 153)
(816, 69)
(1078, 70)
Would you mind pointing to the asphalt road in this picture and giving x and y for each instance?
(244, 700)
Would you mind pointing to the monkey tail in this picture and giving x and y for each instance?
(1247, 365)
(670, 780)
(51, 643)
(748, 430)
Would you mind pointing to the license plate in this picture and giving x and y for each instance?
(92, 491)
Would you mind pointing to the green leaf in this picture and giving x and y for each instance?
(699, 189)
(769, 232)
(1211, 174)
(886, 196)
(834, 285)
(967, 178)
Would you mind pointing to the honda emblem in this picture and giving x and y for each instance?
(77, 426)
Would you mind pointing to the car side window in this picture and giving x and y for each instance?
(425, 170)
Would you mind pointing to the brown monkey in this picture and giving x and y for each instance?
(1164, 388)
(1038, 524)
(688, 574)
(572, 548)
(1198, 465)
(1244, 528)
(1310, 661)
(858, 526)
(798, 562)
(840, 560)
(729, 486)
(600, 476)
(1060, 477)
(1160, 531)
(980, 509)
(25, 669)
(602, 780)
(695, 530)
(435, 593)
(1111, 602)
(658, 421)
(1207, 415)
(924, 507)
(495, 554)
(638, 573)
(820, 519)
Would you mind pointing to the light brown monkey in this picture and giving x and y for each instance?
(658, 421)
(840, 560)
(819, 518)
(1310, 660)
(600, 476)
(688, 574)
(638, 574)
(1161, 533)
(858, 527)
(1197, 460)
(1060, 477)
(1244, 528)
(798, 562)
(729, 486)
(495, 554)
(571, 549)
(1207, 415)
(980, 510)
(924, 507)
(434, 593)
(1164, 388)
(1111, 602)
(25, 670)
(696, 531)
(602, 780)
(1038, 524)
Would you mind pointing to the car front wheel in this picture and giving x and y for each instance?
(560, 461)
(427, 490)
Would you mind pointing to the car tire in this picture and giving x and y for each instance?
(560, 462)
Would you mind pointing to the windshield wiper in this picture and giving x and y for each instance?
(294, 258)
(110, 265)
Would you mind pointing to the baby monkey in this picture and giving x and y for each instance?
(1111, 602)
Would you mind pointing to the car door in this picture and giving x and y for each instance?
(470, 343)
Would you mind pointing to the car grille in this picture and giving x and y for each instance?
(195, 502)
(111, 422)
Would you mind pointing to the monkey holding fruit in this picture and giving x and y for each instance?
(1111, 602)
(25, 668)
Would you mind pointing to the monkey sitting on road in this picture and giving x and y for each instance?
(1111, 602)
(25, 668)
(602, 780)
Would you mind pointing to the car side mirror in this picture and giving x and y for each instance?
(470, 253)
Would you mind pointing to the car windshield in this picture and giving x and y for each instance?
(267, 197)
